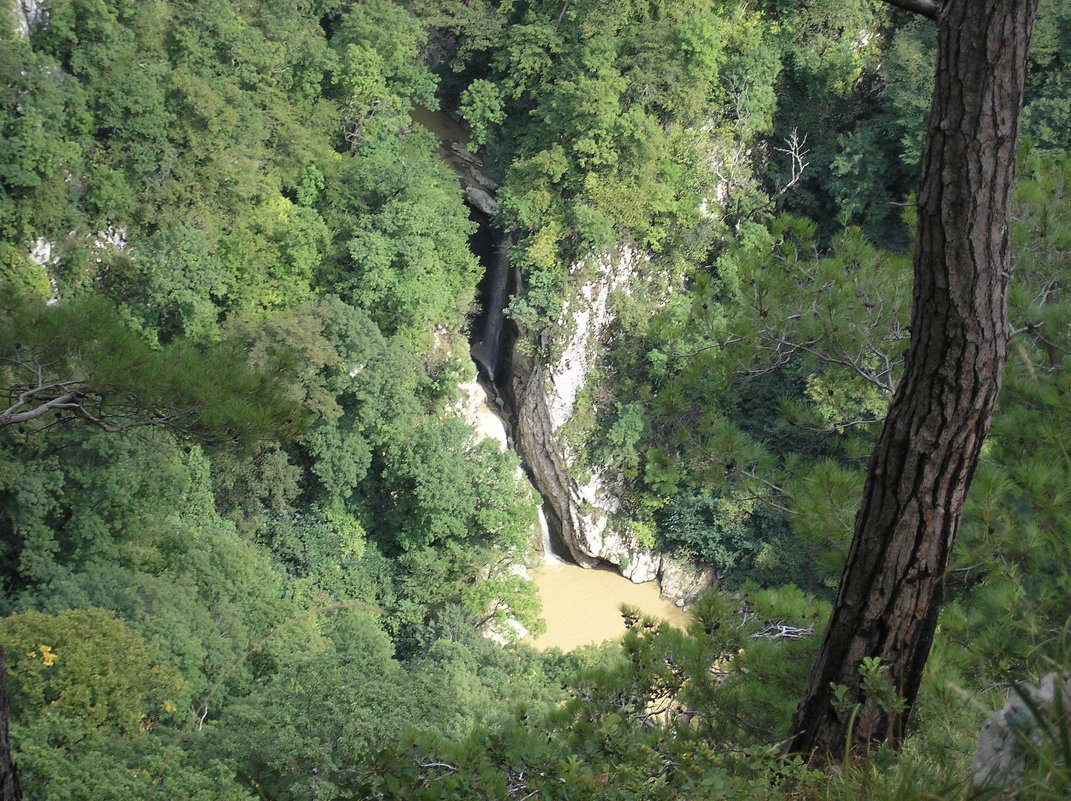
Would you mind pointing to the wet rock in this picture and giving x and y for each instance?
(683, 581)
(544, 458)
(481, 200)
(544, 400)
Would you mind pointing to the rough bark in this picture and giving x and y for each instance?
(9, 777)
(891, 588)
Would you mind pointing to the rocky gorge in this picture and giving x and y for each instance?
(538, 395)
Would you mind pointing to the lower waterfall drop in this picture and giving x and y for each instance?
(549, 557)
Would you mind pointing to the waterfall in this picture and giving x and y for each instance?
(489, 347)
(549, 557)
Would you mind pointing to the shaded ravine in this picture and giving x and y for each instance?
(488, 347)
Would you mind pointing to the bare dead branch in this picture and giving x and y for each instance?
(561, 16)
(797, 157)
(844, 426)
(882, 380)
(781, 631)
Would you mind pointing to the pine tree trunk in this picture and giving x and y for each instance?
(890, 592)
(9, 777)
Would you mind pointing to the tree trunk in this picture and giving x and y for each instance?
(891, 588)
(9, 777)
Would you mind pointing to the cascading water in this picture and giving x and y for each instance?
(580, 606)
(549, 557)
(487, 344)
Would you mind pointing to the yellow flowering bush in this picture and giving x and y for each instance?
(86, 666)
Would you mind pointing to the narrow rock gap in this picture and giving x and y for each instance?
(492, 337)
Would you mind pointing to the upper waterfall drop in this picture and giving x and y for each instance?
(487, 347)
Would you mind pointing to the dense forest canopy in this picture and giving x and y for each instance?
(247, 549)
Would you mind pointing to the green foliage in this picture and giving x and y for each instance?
(757, 399)
(109, 497)
(42, 115)
(175, 291)
(857, 84)
(481, 106)
(409, 258)
(621, 91)
(637, 724)
(366, 99)
(498, 600)
(158, 555)
(108, 766)
(844, 312)
(277, 242)
(877, 163)
(401, 237)
(22, 275)
(356, 385)
(325, 550)
(621, 449)
(831, 52)
(298, 731)
(1047, 111)
(395, 36)
(825, 497)
(710, 528)
(448, 490)
(1013, 553)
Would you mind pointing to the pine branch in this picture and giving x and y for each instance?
(11, 416)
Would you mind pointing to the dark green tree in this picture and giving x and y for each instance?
(10, 789)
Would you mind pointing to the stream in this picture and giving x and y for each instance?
(580, 606)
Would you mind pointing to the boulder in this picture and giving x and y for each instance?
(682, 581)
(1008, 734)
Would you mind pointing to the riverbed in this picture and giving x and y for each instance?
(439, 124)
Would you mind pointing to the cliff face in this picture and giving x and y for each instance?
(29, 13)
(544, 398)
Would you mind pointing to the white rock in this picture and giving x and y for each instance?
(588, 318)
(546, 398)
(29, 14)
(41, 255)
(111, 237)
(475, 409)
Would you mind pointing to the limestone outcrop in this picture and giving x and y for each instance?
(543, 397)
(583, 512)
(29, 14)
